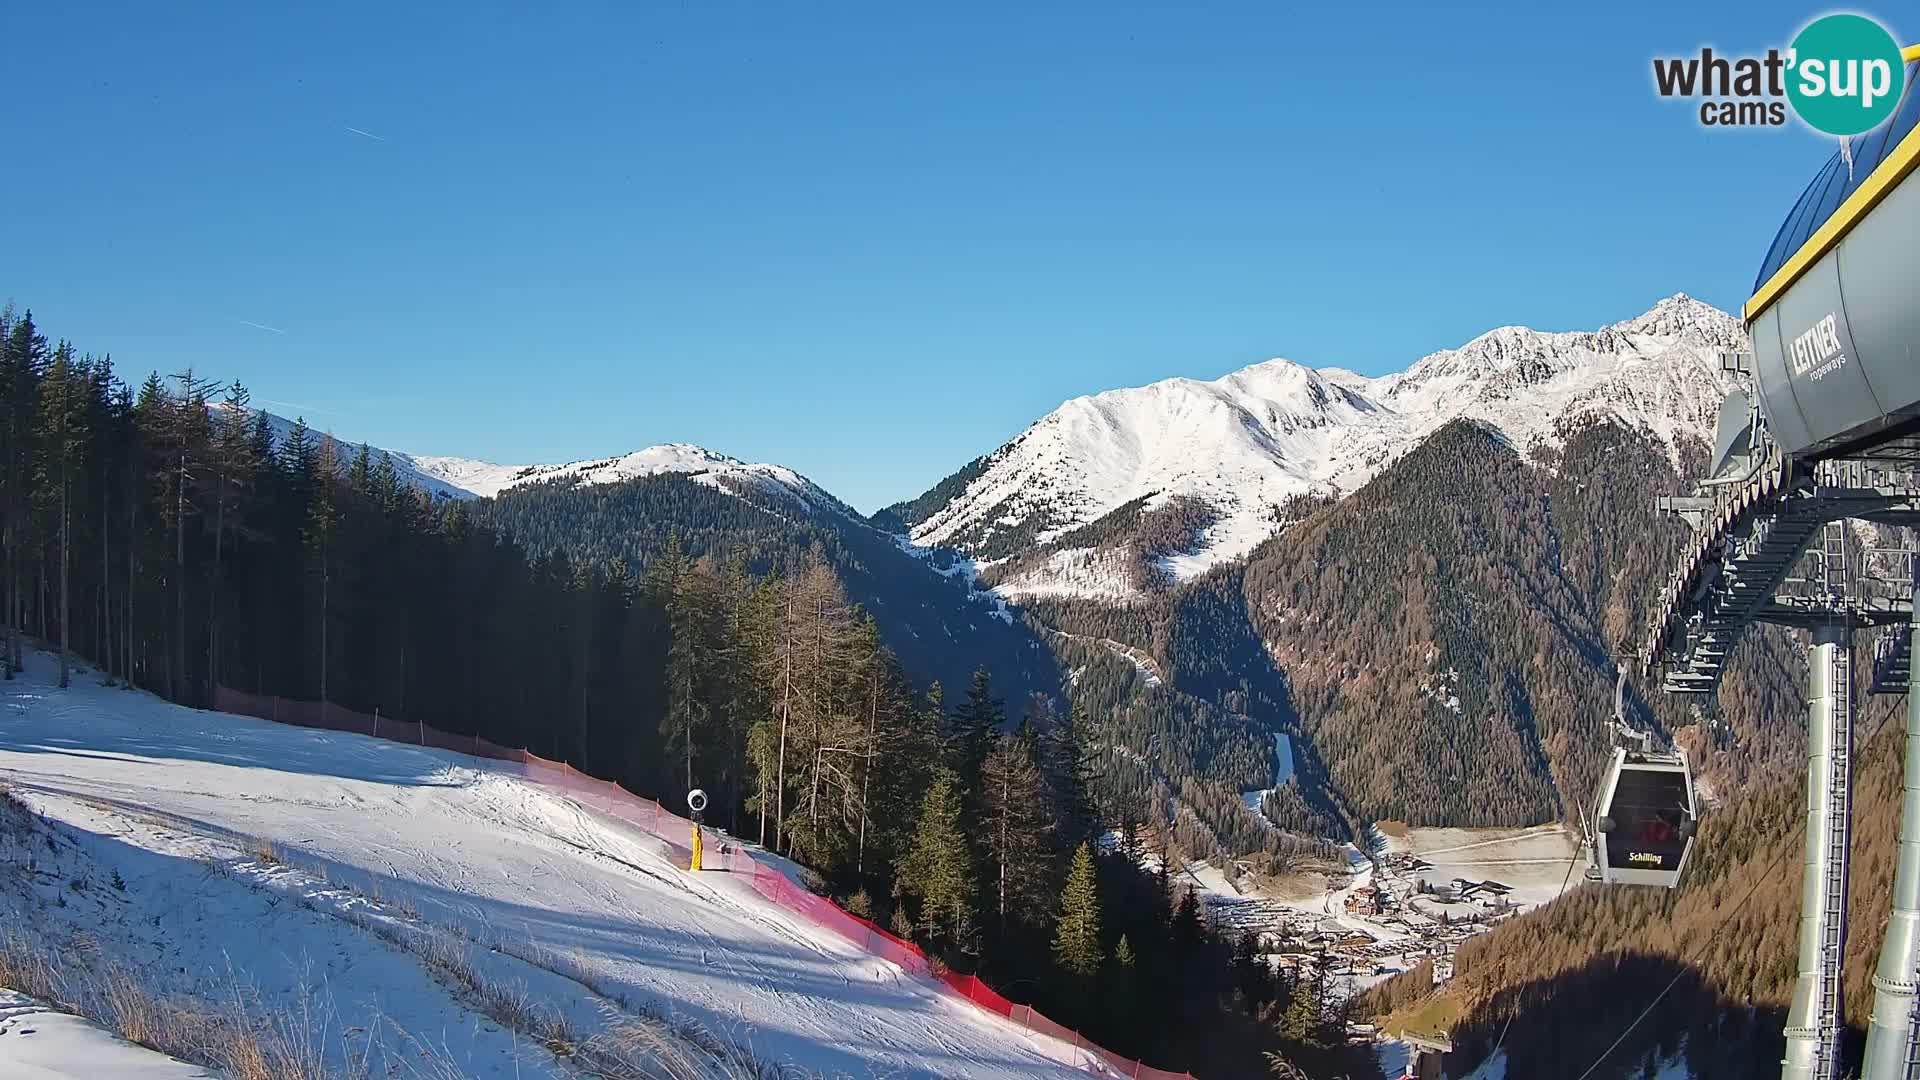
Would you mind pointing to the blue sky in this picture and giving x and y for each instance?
(869, 241)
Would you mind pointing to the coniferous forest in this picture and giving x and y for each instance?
(157, 532)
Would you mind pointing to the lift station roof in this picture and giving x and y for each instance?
(1835, 313)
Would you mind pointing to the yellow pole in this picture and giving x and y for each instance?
(696, 847)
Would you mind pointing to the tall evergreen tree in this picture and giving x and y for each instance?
(1017, 831)
(1076, 935)
(233, 474)
(322, 524)
(1067, 758)
(62, 433)
(938, 868)
(975, 724)
(24, 358)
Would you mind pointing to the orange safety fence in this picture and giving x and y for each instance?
(1067, 1046)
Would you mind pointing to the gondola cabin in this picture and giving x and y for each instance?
(1645, 818)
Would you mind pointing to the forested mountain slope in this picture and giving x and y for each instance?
(936, 623)
(1441, 644)
(633, 507)
(1574, 974)
(1450, 632)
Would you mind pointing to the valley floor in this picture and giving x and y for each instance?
(1534, 861)
(227, 858)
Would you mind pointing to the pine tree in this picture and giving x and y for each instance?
(322, 524)
(1017, 830)
(233, 474)
(938, 868)
(186, 438)
(975, 724)
(688, 599)
(1123, 983)
(62, 434)
(1068, 760)
(1300, 1025)
(1254, 975)
(20, 368)
(1076, 936)
(1188, 930)
(885, 706)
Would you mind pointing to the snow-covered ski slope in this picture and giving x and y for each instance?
(40, 1043)
(465, 845)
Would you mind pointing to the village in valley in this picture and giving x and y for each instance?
(1415, 897)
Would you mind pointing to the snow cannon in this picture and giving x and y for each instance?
(696, 802)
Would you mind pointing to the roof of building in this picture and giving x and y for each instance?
(1836, 186)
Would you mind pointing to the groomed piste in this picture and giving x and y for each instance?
(461, 842)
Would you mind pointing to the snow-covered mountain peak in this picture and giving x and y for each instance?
(486, 479)
(467, 478)
(1247, 441)
(1681, 317)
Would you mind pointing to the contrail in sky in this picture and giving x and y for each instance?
(368, 134)
(260, 326)
(295, 406)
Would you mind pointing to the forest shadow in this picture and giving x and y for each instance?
(1559, 1026)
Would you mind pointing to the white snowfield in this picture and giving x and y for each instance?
(1245, 442)
(41, 1043)
(169, 801)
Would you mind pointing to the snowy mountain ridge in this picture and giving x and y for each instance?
(469, 478)
(1246, 442)
(486, 479)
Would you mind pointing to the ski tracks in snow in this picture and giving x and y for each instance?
(509, 860)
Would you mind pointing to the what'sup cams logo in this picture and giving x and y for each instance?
(1842, 75)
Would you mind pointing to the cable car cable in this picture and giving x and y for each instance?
(1503, 1035)
(1573, 860)
(1764, 876)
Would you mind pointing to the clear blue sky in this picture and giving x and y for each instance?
(870, 241)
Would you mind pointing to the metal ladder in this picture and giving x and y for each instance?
(1892, 662)
(1833, 929)
(1833, 933)
(1913, 1046)
(1892, 671)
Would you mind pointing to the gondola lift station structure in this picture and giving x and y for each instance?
(1825, 428)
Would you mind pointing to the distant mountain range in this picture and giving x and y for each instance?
(1195, 559)
(1238, 448)
(1234, 451)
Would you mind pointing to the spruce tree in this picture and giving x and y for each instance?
(1017, 831)
(937, 867)
(1300, 1024)
(233, 469)
(1068, 760)
(322, 525)
(975, 723)
(62, 434)
(23, 361)
(1188, 930)
(1076, 936)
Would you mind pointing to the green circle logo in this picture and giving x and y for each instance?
(1846, 74)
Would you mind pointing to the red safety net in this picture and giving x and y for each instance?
(1061, 1043)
